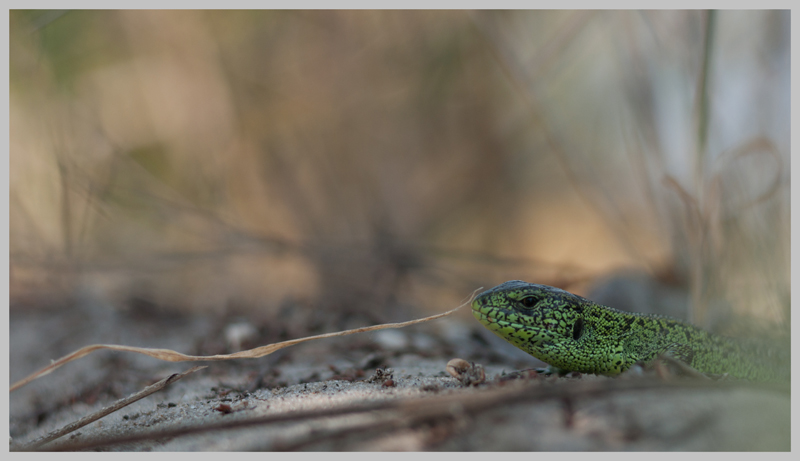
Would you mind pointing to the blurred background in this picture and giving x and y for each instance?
(341, 168)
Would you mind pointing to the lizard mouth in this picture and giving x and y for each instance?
(516, 333)
(499, 316)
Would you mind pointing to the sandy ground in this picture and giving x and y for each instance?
(329, 395)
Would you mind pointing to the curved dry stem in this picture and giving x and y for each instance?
(169, 355)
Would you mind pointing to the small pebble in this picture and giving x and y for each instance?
(391, 340)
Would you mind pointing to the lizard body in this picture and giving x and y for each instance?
(576, 334)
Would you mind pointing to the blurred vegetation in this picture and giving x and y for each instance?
(302, 163)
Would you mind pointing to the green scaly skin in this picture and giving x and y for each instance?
(576, 334)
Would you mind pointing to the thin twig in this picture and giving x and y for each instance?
(107, 410)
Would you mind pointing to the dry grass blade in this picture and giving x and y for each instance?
(173, 356)
(122, 403)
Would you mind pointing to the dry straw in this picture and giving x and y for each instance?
(173, 356)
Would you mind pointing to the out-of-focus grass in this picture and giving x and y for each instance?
(357, 161)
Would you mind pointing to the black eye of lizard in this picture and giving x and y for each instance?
(529, 301)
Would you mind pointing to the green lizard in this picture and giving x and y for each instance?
(576, 334)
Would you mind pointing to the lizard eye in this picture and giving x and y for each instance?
(529, 301)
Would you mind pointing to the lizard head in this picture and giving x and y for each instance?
(546, 322)
(530, 313)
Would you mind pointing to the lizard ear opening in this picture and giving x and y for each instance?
(577, 329)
